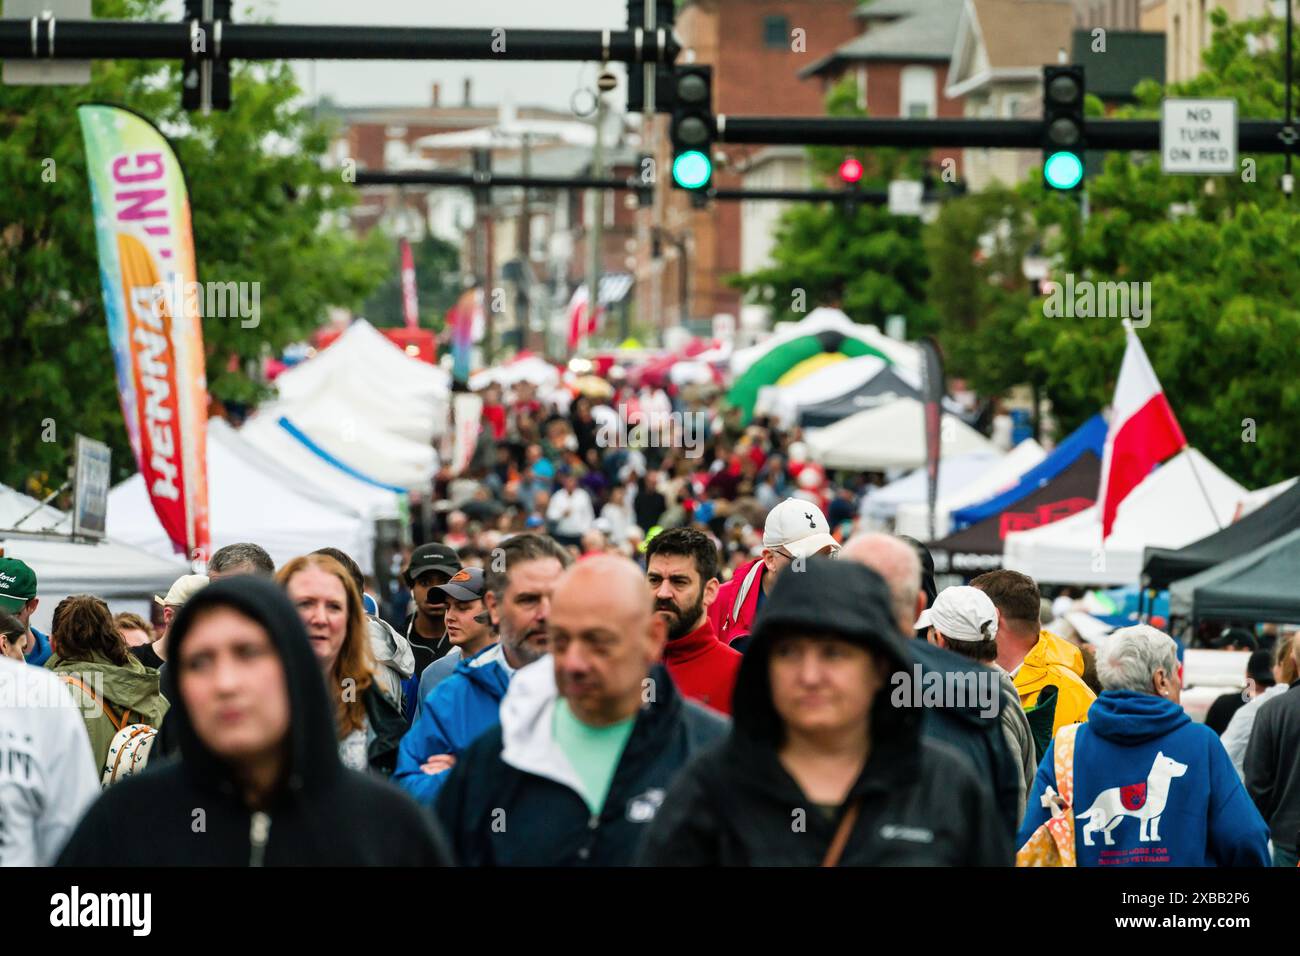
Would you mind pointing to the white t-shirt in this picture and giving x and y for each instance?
(47, 769)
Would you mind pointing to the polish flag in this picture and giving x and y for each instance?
(1143, 431)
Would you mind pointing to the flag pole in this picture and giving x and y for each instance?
(1191, 463)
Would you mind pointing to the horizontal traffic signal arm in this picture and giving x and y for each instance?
(1254, 136)
(131, 40)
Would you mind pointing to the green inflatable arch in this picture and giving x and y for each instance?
(768, 369)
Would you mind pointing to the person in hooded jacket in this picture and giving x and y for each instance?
(258, 755)
(111, 687)
(1151, 788)
(820, 767)
(370, 724)
(590, 737)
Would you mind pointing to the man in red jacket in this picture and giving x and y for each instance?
(682, 568)
(795, 531)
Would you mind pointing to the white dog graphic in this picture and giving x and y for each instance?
(1146, 801)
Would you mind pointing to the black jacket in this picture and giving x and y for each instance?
(1272, 768)
(389, 726)
(322, 813)
(977, 737)
(497, 814)
(921, 803)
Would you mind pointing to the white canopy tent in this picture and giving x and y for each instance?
(333, 425)
(383, 387)
(250, 498)
(530, 368)
(828, 320)
(882, 504)
(1167, 510)
(125, 577)
(913, 515)
(1254, 500)
(891, 436)
(280, 445)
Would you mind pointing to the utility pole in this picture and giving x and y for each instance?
(597, 198)
(522, 306)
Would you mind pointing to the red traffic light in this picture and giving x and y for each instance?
(851, 171)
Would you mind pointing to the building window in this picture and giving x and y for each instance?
(917, 94)
(776, 32)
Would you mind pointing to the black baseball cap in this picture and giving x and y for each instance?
(431, 557)
(465, 585)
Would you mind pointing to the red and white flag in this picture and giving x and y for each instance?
(1143, 431)
(583, 321)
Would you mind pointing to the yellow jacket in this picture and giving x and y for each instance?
(1054, 661)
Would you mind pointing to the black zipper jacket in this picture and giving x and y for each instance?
(498, 814)
(322, 815)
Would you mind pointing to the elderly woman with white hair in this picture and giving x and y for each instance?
(1149, 787)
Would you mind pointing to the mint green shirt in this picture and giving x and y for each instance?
(593, 751)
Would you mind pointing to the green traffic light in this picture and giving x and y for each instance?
(1063, 170)
(692, 169)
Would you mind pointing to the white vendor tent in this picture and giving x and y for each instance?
(913, 516)
(828, 320)
(528, 368)
(125, 577)
(1167, 510)
(891, 436)
(383, 387)
(882, 504)
(333, 427)
(249, 499)
(293, 452)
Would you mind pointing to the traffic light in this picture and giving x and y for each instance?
(1063, 139)
(851, 171)
(693, 127)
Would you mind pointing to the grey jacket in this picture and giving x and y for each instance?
(1020, 739)
(394, 659)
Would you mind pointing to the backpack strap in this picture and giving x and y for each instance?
(1064, 762)
(841, 838)
(75, 681)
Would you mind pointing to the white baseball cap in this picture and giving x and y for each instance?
(961, 614)
(799, 527)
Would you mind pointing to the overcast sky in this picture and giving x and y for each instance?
(410, 82)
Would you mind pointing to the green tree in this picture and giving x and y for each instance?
(261, 205)
(868, 263)
(1220, 254)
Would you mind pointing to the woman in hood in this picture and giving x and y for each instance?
(822, 766)
(112, 688)
(259, 781)
(370, 725)
(1150, 787)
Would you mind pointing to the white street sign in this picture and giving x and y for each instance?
(1198, 136)
(905, 197)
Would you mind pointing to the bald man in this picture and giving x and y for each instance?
(591, 735)
(969, 727)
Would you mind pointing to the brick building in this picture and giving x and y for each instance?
(757, 49)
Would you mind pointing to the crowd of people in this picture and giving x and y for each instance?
(616, 655)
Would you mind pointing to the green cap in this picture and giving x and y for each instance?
(17, 584)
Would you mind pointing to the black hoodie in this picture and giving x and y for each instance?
(322, 815)
(920, 802)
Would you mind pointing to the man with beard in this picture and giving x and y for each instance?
(431, 566)
(517, 595)
(682, 568)
(590, 737)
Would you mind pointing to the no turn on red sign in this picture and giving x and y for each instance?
(1198, 136)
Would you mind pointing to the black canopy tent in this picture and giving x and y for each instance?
(978, 548)
(1162, 566)
(884, 387)
(1257, 586)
